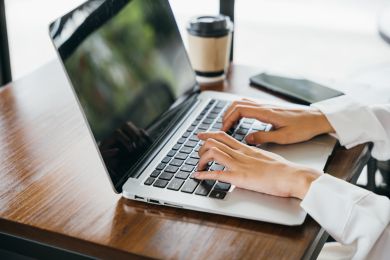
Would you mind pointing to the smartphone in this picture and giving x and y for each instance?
(302, 90)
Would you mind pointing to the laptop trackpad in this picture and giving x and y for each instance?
(313, 153)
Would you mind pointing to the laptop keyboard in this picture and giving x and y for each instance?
(175, 172)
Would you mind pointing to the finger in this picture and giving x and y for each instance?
(241, 111)
(261, 137)
(224, 176)
(236, 103)
(223, 138)
(214, 155)
(212, 143)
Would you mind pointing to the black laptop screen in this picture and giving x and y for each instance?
(127, 64)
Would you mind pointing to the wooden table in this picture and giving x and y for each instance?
(53, 188)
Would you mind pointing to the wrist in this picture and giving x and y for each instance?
(305, 177)
(321, 123)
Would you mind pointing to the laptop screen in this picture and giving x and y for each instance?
(128, 67)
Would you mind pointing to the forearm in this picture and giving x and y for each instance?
(319, 123)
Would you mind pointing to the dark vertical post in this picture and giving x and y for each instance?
(5, 65)
(226, 7)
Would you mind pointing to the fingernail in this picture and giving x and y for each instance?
(196, 174)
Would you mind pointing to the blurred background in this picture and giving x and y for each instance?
(324, 40)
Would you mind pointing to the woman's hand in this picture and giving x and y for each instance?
(252, 168)
(289, 125)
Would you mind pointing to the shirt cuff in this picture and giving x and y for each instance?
(353, 122)
(329, 201)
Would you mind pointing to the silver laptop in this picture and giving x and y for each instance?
(132, 77)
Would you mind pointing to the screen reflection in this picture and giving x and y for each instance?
(128, 66)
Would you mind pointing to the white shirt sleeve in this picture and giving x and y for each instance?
(351, 215)
(354, 216)
(355, 123)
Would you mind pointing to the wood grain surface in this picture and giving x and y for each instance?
(53, 187)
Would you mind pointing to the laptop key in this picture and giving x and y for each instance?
(197, 131)
(186, 134)
(205, 187)
(217, 109)
(187, 168)
(212, 116)
(190, 186)
(181, 156)
(160, 166)
(249, 120)
(217, 125)
(182, 175)
(166, 159)
(217, 167)
(242, 131)
(192, 161)
(191, 144)
(149, 181)
(195, 123)
(259, 127)
(176, 162)
(166, 176)
(191, 128)
(195, 155)
(239, 137)
(217, 194)
(186, 150)
(181, 140)
(223, 186)
(221, 104)
(175, 184)
(194, 138)
(207, 121)
(171, 153)
(155, 174)
(230, 131)
(160, 183)
(171, 169)
(245, 125)
(203, 127)
(176, 147)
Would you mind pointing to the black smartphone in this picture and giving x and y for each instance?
(303, 90)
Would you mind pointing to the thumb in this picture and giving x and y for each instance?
(261, 137)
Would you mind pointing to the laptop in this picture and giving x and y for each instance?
(135, 86)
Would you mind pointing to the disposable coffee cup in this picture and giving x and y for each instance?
(209, 42)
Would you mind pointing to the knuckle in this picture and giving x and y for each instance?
(237, 108)
(220, 134)
(208, 142)
(235, 103)
(213, 150)
(212, 142)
